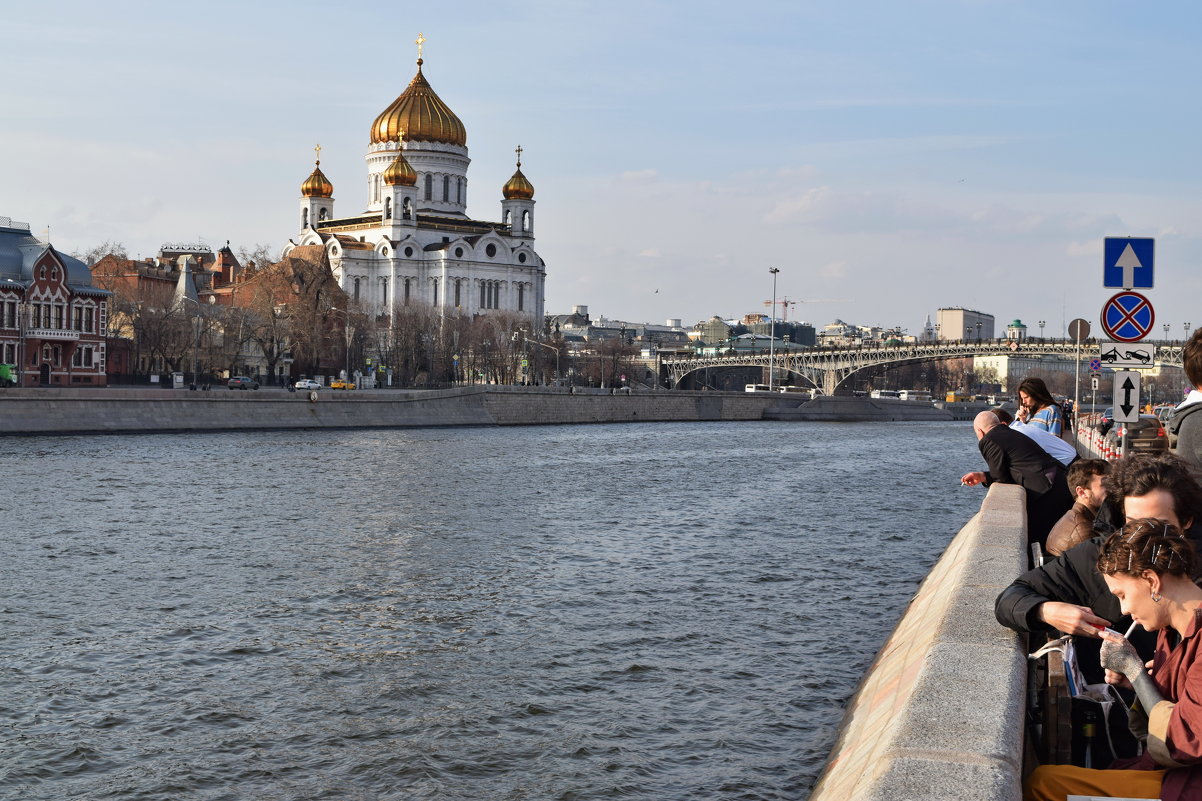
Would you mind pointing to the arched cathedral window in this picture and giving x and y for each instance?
(429, 187)
(526, 221)
(387, 208)
(305, 218)
(407, 210)
(446, 188)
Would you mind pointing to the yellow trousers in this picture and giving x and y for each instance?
(1057, 782)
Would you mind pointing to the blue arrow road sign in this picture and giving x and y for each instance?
(1128, 263)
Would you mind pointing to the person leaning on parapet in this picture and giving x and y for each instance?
(1185, 427)
(1148, 566)
(1085, 482)
(1015, 459)
(1058, 448)
(1037, 406)
(1067, 593)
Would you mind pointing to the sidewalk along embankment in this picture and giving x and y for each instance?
(113, 410)
(939, 715)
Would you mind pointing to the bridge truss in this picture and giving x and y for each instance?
(830, 368)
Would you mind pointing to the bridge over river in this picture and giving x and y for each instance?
(829, 368)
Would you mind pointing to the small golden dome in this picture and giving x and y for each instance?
(400, 172)
(419, 115)
(317, 185)
(518, 187)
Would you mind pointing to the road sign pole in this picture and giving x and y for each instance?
(1077, 388)
(1078, 329)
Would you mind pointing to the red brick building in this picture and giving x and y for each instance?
(53, 321)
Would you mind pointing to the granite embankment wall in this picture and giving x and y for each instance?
(116, 410)
(939, 715)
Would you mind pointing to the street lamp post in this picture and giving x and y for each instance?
(1166, 332)
(1186, 331)
(1042, 323)
(772, 331)
(346, 331)
(967, 334)
(526, 341)
(979, 324)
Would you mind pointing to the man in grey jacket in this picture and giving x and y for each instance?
(1185, 427)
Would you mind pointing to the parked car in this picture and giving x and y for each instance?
(306, 383)
(242, 382)
(1164, 413)
(1145, 435)
(339, 383)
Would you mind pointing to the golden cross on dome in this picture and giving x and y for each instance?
(420, 40)
(317, 150)
(518, 150)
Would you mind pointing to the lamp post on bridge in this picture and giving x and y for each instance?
(772, 332)
(979, 324)
(1186, 332)
(1042, 323)
(1166, 332)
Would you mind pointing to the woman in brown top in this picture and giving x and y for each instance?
(1147, 565)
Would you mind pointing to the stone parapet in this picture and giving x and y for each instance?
(114, 410)
(939, 715)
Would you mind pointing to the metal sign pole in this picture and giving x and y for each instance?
(1077, 387)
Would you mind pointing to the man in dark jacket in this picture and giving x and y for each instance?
(1016, 459)
(1068, 593)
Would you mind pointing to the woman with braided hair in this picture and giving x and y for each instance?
(1147, 565)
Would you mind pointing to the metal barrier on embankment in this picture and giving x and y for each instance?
(939, 715)
(116, 410)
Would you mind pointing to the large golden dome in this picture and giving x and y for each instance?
(518, 187)
(420, 115)
(317, 185)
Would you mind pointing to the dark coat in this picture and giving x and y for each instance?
(1015, 458)
(1185, 434)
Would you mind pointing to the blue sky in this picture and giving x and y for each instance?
(889, 157)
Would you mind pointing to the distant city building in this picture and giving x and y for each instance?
(53, 321)
(579, 327)
(955, 323)
(1013, 369)
(414, 243)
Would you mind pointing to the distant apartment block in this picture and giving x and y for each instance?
(955, 323)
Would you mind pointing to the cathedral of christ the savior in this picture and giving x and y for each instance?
(414, 244)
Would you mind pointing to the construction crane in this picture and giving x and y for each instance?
(786, 303)
(784, 307)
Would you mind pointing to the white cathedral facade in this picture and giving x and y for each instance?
(414, 243)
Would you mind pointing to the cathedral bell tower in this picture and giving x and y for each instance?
(399, 211)
(517, 207)
(317, 197)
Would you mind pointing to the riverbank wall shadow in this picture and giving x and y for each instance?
(939, 715)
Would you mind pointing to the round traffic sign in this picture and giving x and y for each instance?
(1078, 329)
(1095, 364)
(1128, 317)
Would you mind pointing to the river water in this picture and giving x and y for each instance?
(663, 611)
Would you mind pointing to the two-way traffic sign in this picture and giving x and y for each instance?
(1126, 396)
(1128, 263)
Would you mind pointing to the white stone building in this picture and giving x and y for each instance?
(413, 242)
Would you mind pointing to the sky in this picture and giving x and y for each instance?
(889, 158)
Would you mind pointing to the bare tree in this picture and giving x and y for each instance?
(98, 252)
